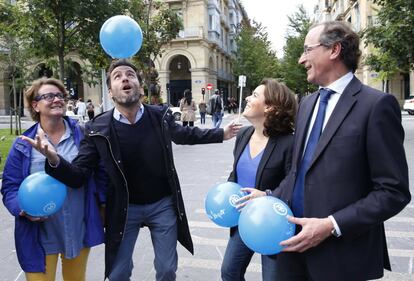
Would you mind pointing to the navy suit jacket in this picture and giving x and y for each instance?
(359, 175)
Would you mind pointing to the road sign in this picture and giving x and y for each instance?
(242, 81)
(209, 86)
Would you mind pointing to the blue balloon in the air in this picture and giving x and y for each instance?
(220, 204)
(121, 37)
(263, 225)
(41, 195)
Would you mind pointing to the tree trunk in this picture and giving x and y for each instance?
(16, 118)
(61, 52)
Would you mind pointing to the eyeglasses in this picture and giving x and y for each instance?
(308, 48)
(49, 97)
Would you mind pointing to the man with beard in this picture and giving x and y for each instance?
(133, 143)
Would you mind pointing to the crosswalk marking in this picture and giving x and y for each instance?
(401, 253)
(198, 240)
(211, 264)
(209, 241)
(401, 219)
(393, 219)
(389, 233)
(204, 224)
(253, 267)
(400, 234)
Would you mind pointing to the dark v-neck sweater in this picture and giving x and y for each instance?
(143, 161)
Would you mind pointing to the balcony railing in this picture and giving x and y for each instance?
(224, 75)
(191, 32)
(214, 37)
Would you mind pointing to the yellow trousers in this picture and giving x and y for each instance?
(72, 269)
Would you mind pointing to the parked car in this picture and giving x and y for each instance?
(176, 113)
(409, 105)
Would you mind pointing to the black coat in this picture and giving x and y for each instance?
(274, 165)
(275, 162)
(100, 145)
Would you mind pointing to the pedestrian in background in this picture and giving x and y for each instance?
(69, 110)
(188, 108)
(216, 105)
(202, 108)
(262, 159)
(349, 171)
(90, 109)
(133, 142)
(77, 226)
(80, 108)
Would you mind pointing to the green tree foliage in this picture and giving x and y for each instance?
(294, 74)
(392, 35)
(254, 56)
(159, 26)
(55, 28)
(13, 59)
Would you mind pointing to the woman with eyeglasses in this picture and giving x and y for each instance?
(77, 226)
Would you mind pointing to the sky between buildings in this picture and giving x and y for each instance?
(273, 15)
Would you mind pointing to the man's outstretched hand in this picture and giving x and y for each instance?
(41, 144)
(231, 130)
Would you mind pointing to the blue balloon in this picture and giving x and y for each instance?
(220, 204)
(263, 225)
(41, 195)
(121, 37)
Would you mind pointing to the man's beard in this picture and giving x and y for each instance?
(127, 100)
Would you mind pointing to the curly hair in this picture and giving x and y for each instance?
(33, 92)
(280, 119)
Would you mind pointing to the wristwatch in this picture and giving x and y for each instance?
(334, 232)
(268, 192)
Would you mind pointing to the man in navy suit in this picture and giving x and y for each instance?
(349, 171)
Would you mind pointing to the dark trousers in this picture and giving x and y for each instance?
(161, 219)
(91, 114)
(202, 117)
(292, 267)
(237, 258)
(188, 123)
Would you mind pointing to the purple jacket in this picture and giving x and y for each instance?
(30, 253)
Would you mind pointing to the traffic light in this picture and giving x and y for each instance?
(203, 91)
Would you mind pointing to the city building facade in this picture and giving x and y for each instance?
(362, 14)
(200, 55)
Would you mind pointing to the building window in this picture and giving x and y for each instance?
(357, 24)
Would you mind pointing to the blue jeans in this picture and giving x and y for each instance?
(161, 220)
(237, 258)
(202, 117)
(217, 118)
